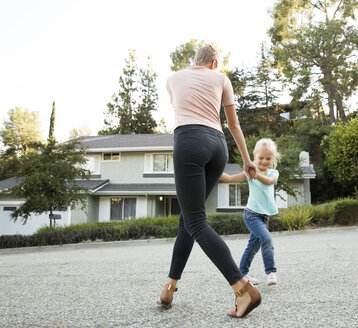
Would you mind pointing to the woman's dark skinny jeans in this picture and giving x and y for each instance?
(200, 156)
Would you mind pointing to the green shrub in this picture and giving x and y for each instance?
(345, 212)
(295, 217)
(322, 214)
(275, 224)
(227, 223)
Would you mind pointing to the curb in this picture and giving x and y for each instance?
(155, 241)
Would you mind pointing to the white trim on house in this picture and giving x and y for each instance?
(305, 176)
(99, 187)
(141, 207)
(104, 210)
(136, 193)
(149, 163)
(223, 195)
(130, 149)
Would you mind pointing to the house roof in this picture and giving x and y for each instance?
(9, 183)
(91, 185)
(233, 169)
(128, 142)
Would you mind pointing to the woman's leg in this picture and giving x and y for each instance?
(199, 160)
(181, 251)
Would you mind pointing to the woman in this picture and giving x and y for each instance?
(200, 156)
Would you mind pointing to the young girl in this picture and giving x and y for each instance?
(261, 204)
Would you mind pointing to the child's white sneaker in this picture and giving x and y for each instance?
(271, 279)
(253, 280)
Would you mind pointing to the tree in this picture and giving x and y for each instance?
(256, 92)
(51, 132)
(342, 153)
(21, 131)
(183, 56)
(47, 180)
(316, 54)
(81, 131)
(143, 118)
(289, 165)
(137, 97)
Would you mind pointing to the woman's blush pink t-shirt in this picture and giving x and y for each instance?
(197, 93)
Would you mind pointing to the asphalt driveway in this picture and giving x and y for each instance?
(116, 284)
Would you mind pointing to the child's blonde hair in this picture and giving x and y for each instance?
(271, 146)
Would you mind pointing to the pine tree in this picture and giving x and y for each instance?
(130, 109)
(144, 120)
(51, 132)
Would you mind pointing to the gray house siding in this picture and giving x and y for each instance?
(92, 209)
(130, 169)
(297, 185)
(212, 201)
(78, 215)
(136, 175)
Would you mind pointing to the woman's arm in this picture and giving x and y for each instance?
(233, 178)
(236, 132)
(266, 180)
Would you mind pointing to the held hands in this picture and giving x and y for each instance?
(251, 170)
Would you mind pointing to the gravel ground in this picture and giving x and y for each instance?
(116, 284)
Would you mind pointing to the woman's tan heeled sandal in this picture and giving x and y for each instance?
(254, 295)
(166, 297)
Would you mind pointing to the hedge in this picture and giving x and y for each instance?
(342, 212)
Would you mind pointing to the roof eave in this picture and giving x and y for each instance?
(135, 193)
(129, 149)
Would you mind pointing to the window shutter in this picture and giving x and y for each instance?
(97, 163)
(148, 163)
(223, 195)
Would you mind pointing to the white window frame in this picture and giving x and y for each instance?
(149, 163)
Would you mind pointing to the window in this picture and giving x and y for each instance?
(234, 195)
(111, 156)
(9, 208)
(122, 208)
(162, 162)
(158, 163)
(238, 194)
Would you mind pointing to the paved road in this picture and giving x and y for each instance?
(116, 285)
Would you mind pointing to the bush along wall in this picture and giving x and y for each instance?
(342, 212)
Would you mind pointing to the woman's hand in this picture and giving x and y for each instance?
(251, 170)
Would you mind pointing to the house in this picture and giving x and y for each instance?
(132, 176)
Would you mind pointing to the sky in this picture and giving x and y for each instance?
(73, 51)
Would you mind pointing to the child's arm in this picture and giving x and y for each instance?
(266, 180)
(233, 178)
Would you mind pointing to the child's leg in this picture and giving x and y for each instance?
(267, 250)
(252, 248)
(258, 226)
